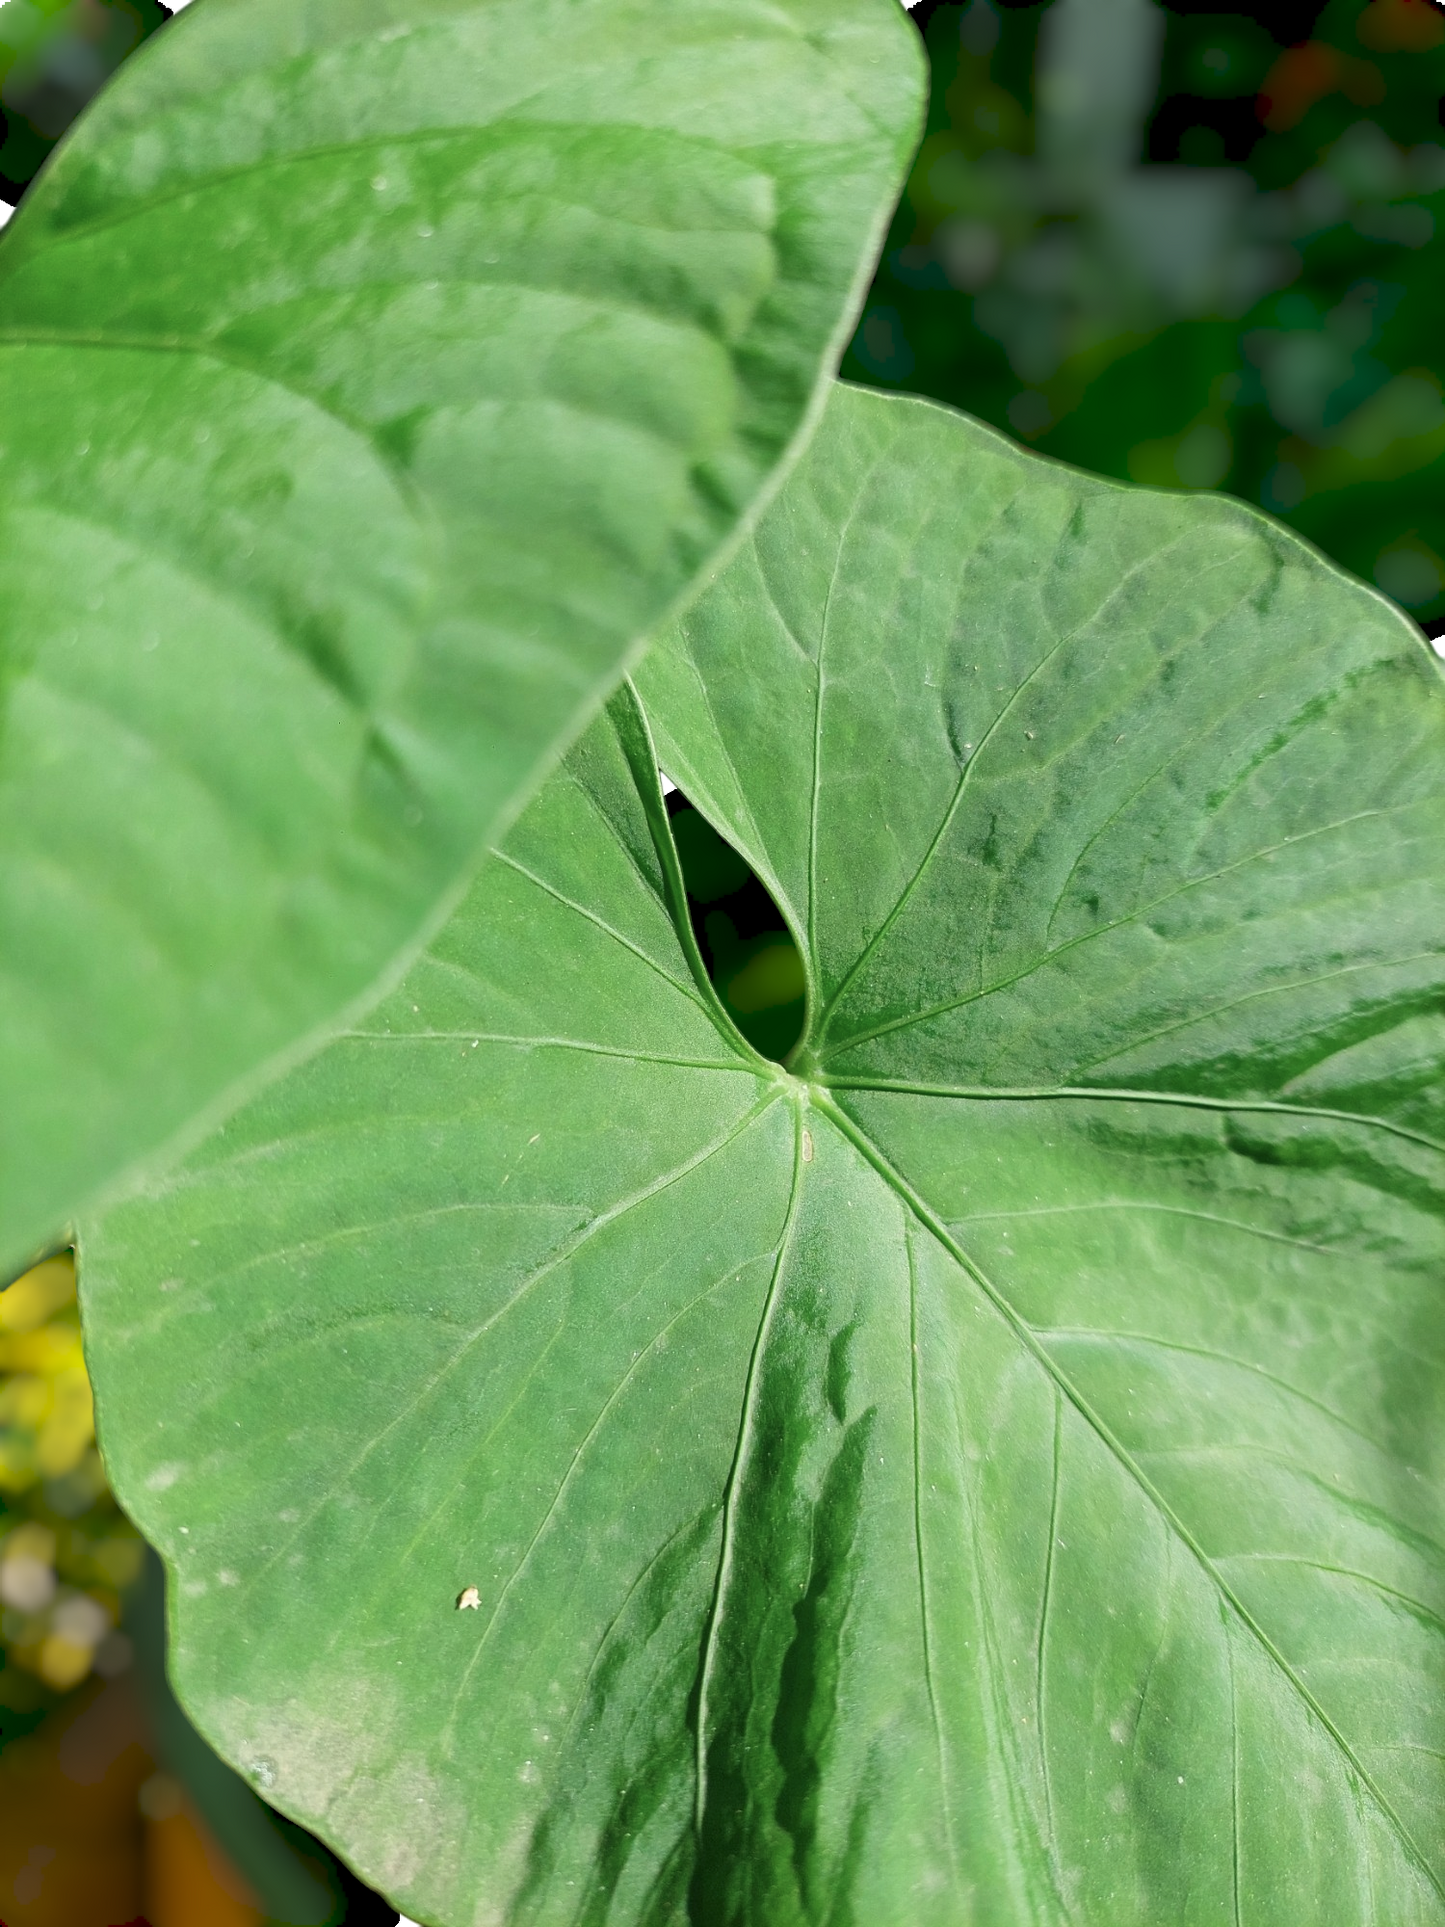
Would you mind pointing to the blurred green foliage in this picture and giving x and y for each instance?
(711, 868)
(55, 55)
(1191, 249)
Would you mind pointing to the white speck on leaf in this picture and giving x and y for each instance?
(469, 1600)
(807, 1147)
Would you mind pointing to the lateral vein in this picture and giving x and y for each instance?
(1031, 1344)
(1126, 1094)
(730, 1491)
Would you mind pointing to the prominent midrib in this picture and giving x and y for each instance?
(736, 1472)
(917, 1205)
(918, 1208)
(1127, 1094)
(921, 1212)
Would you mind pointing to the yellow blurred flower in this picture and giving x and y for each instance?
(35, 1299)
(66, 1551)
(63, 1663)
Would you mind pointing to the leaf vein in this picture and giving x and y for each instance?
(1030, 1342)
(601, 923)
(410, 1406)
(1125, 1094)
(735, 1472)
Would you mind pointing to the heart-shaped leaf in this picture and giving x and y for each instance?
(373, 374)
(991, 1473)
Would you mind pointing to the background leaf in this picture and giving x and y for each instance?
(372, 377)
(991, 1474)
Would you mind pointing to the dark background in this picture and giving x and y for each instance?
(1191, 246)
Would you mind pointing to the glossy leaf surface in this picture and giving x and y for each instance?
(373, 375)
(990, 1475)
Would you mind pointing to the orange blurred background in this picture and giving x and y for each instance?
(93, 1834)
(96, 1827)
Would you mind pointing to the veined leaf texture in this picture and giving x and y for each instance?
(986, 1471)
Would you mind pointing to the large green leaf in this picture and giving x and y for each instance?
(990, 1475)
(373, 374)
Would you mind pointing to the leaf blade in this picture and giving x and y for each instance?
(1061, 1539)
(373, 380)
